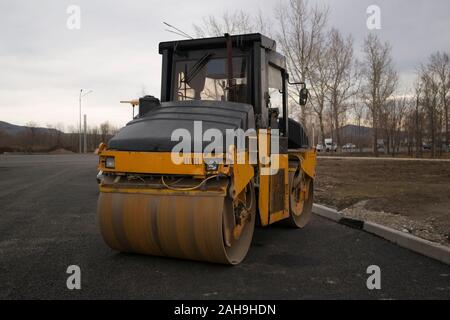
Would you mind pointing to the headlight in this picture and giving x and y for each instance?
(110, 163)
(211, 165)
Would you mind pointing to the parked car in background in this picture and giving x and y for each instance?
(330, 146)
(426, 146)
(380, 144)
(349, 146)
(319, 147)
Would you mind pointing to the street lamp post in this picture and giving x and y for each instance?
(79, 136)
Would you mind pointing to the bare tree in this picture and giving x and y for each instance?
(4, 139)
(59, 134)
(344, 77)
(72, 138)
(417, 119)
(95, 138)
(395, 111)
(237, 22)
(50, 136)
(430, 96)
(105, 129)
(440, 65)
(358, 109)
(318, 79)
(31, 135)
(263, 24)
(380, 80)
(301, 33)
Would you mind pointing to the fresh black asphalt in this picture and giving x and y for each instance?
(48, 222)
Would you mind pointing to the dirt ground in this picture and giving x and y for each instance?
(410, 196)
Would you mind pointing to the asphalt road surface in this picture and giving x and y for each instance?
(48, 222)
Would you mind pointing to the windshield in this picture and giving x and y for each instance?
(208, 80)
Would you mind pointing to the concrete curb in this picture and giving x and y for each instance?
(405, 240)
(413, 243)
(326, 212)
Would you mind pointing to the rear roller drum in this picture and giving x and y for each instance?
(300, 199)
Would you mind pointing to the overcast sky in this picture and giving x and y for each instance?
(43, 64)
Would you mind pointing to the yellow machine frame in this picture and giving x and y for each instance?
(241, 174)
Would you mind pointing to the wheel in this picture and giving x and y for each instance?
(301, 192)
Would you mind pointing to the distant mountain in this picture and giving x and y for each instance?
(15, 138)
(12, 129)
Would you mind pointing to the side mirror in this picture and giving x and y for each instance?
(303, 98)
(303, 94)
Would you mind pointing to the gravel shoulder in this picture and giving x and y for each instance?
(410, 196)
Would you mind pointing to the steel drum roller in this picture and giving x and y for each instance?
(181, 226)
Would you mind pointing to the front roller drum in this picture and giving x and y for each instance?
(180, 226)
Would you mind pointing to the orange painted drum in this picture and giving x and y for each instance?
(178, 226)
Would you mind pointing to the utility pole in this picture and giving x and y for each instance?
(85, 140)
(79, 128)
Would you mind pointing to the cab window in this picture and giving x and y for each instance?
(209, 80)
(275, 89)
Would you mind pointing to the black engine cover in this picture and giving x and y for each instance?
(153, 130)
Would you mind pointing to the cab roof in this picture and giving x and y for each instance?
(244, 40)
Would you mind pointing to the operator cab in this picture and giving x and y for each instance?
(226, 82)
(243, 68)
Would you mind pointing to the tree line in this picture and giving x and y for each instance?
(32, 138)
(346, 89)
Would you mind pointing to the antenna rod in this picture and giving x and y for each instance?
(180, 34)
(171, 26)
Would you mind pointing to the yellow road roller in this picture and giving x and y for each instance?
(194, 171)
